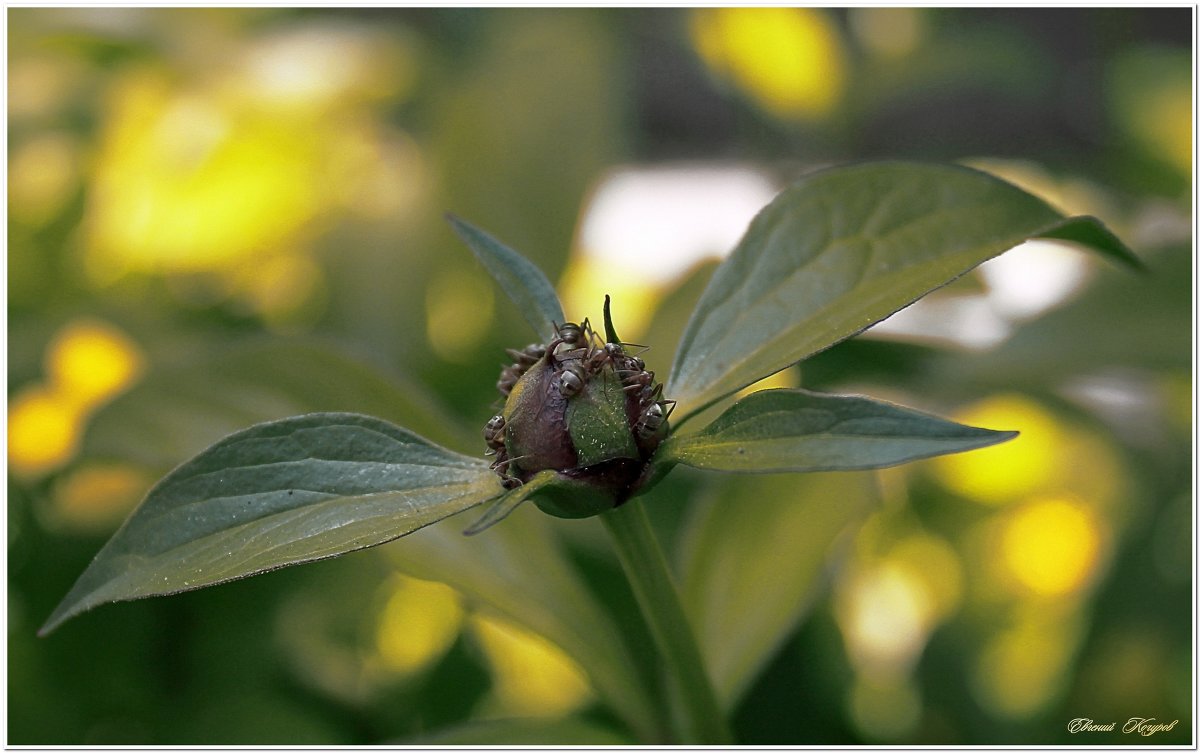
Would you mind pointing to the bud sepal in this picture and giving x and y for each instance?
(584, 407)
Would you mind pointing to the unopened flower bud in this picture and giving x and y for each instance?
(585, 409)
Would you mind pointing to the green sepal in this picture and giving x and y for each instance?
(569, 497)
(610, 332)
(598, 422)
(521, 280)
(503, 506)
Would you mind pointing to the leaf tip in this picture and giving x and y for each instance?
(1091, 233)
(456, 222)
(56, 618)
(997, 436)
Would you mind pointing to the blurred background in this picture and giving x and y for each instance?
(217, 217)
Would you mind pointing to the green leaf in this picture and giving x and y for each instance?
(753, 559)
(1091, 233)
(279, 494)
(843, 249)
(521, 280)
(795, 430)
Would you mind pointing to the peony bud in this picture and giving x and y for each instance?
(584, 408)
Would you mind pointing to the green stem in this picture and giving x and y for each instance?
(646, 568)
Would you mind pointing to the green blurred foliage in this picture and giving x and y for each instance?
(330, 301)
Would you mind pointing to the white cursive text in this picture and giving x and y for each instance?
(1089, 725)
(1147, 727)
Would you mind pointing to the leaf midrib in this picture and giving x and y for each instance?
(267, 521)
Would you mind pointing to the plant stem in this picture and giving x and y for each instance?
(646, 569)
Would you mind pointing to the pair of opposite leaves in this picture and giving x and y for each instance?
(833, 254)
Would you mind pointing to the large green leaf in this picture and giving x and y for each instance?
(796, 430)
(521, 280)
(517, 568)
(278, 494)
(753, 559)
(843, 249)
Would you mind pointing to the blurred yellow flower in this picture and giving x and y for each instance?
(420, 621)
(1011, 470)
(588, 278)
(192, 181)
(1052, 546)
(87, 363)
(789, 60)
(91, 361)
(211, 169)
(885, 612)
(44, 429)
(530, 675)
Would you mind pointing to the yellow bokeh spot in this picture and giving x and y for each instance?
(1023, 668)
(91, 361)
(87, 363)
(420, 621)
(885, 613)
(1010, 470)
(458, 312)
(191, 182)
(588, 278)
(199, 171)
(1051, 547)
(95, 498)
(789, 60)
(44, 429)
(530, 675)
